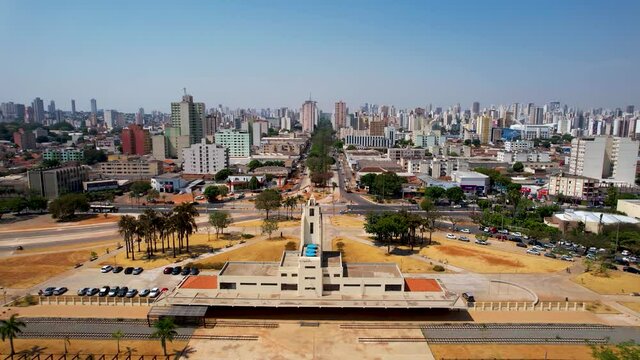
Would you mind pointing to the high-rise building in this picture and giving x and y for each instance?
(475, 108)
(140, 117)
(110, 118)
(205, 158)
(604, 157)
(630, 109)
(309, 116)
(25, 140)
(483, 129)
(188, 117)
(340, 115)
(52, 109)
(94, 106)
(73, 107)
(258, 128)
(536, 115)
(135, 140)
(38, 110)
(236, 141)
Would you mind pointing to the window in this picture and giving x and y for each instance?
(309, 267)
(283, 275)
(269, 284)
(227, 286)
(288, 287)
(325, 275)
(336, 275)
(372, 285)
(311, 212)
(351, 285)
(248, 284)
(309, 288)
(309, 278)
(393, 288)
(294, 275)
(310, 228)
(331, 287)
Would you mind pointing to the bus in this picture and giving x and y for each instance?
(102, 208)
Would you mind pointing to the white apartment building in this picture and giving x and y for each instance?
(236, 141)
(367, 141)
(579, 187)
(205, 158)
(518, 145)
(604, 157)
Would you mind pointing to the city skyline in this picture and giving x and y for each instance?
(265, 55)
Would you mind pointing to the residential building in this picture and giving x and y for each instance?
(340, 115)
(187, 117)
(624, 155)
(94, 107)
(38, 110)
(573, 186)
(135, 140)
(309, 116)
(258, 128)
(73, 107)
(605, 157)
(376, 128)
(205, 158)
(110, 118)
(53, 182)
(25, 140)
(132, 168)
(483, 129)
(64, 155)
(518, 145)
(367, 141)
(236, 141)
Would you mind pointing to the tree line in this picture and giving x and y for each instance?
(320, 158)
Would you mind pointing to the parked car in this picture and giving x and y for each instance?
(92, 291)
(195, 271)
(60, 291)
(533, 252)
(137, 271)
(451, 236)
(104, 291)
(504, 231)
(199, 197)
(48, 291)
(630, 269)
(117, 269)
(168, 270)
(521, 244)
(550, 255)
(144, 292)
(566, 258)
(185, 271)
(463, 238)
(113, 291)
(83, 291)
(482, 242)
(466, 231)
(131, 293)
(625, 253)
(468, 297)
(517, 233)
(128, 270)
(176, 270)
(154, 293)
(122, 291)
(106, 268)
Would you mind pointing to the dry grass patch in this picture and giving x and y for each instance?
(47, 222)
(29, 270)
(616, 282)
(485, 260)
(353, 221)
(635, 306)
(85, 347)
(103, 246)
(490, 351)
(258, 223)
(358, 252)
(264, 250)
(597, 307)
(198, 244)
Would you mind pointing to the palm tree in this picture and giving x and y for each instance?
(186, 214)
(10, 328)
(126, 228)
(165, 330)
(67, 341)
(118, 335)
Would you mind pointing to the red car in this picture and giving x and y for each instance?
(167, 270)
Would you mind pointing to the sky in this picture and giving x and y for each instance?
(258, 53)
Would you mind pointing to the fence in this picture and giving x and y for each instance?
(92, 300)
(528, 306)
(43, 356)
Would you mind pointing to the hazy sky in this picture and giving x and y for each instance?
(269, 53)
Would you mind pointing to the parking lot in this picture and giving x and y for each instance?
(92, 277)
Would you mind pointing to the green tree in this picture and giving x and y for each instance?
(434, 193)
(454, 194)
(431, 216)
(222, 174)
(269, 226)
(612, 197)
(10, 329)
(185, 218)
(254, 164)
(624, 351)
(268, 200)
(153, 195)
(126, 227)
(46, 163)
(476, 142)
(165, 330)
(368, 180)
(36, 202)
(93, 156)
(387, 184)
(467, 142)
(65, 207)
(220, 220)
(140, 187)
(212, 192)
(351, 147)
(253, 183)
(518, 167)
(118, 334)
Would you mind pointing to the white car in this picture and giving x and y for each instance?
(533, 252)
(106, 268)
(200, 197)
(625, 252)
(154, 293)
(567, 258)
(451, 236)
(517, 233)
(466, 231)
(481, 242)
(457, 206)
(503, 231)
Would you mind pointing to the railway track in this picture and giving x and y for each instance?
(371, 340)
(51, 320)
(130, 336)
(475, 326)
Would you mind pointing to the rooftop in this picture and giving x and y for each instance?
(250, 268)
(371, 270)
(587, 216)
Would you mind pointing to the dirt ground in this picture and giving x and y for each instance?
(485, 260)
(258, 223)
(490, 351)
(616, 283)
(600, 308)
(568, 317)
(77, 311)
(85, 347)
(198, 243)
(265, 250)
(26, 271)
(357, 252)
(347, 221)
(635, 306)
(103, 245)
(46, 221)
